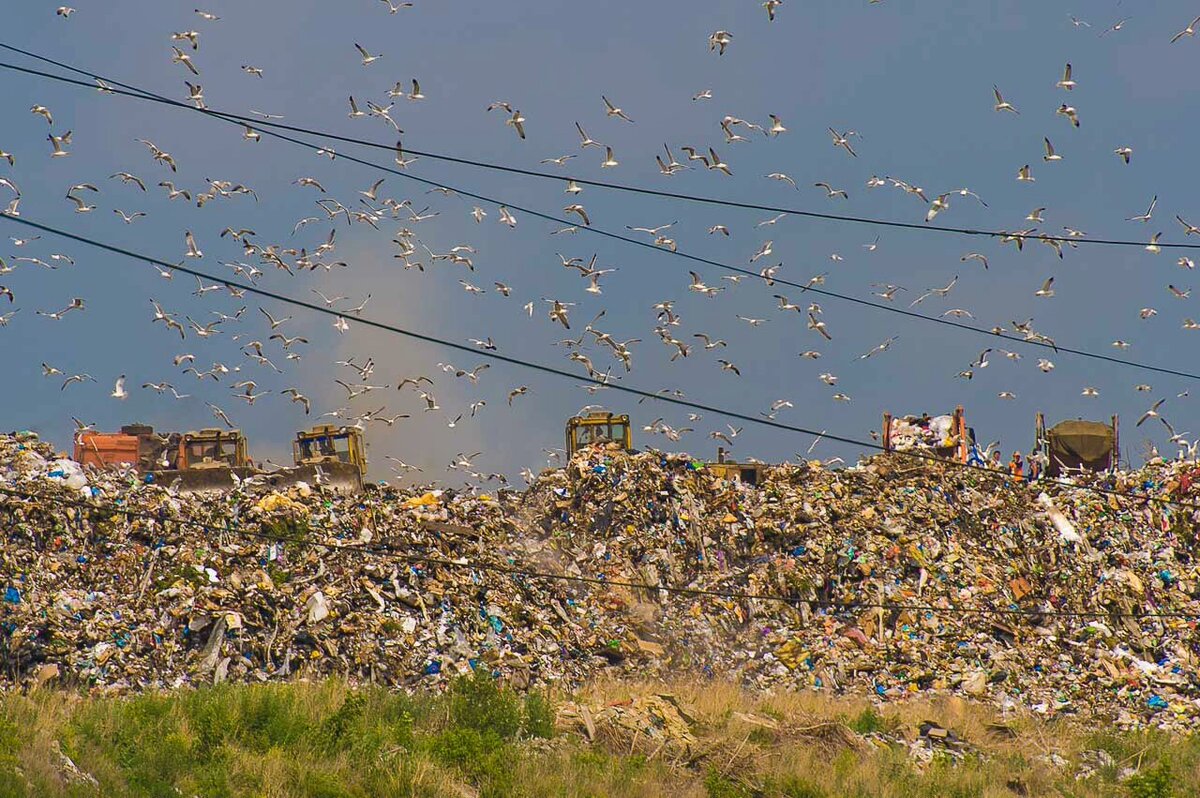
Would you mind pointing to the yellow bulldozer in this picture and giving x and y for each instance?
(215, 460)
(602, 426)
(598, 426)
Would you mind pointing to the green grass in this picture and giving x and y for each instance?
(478, 740)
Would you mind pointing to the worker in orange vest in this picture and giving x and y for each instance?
(1016, 468)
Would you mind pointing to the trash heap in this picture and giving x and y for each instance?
(1016, 594)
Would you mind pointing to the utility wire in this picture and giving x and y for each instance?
(259, 123)
(383, 550)
(601, 381)
(237, 120)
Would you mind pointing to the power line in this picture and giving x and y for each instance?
(383, 550)
(257, 123)
(604, 382)
(237, 120)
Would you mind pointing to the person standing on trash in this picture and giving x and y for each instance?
(1016, 468)
(1035, 466)
(997, 463)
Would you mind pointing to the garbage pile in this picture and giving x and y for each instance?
(922, 432)
(893, 577)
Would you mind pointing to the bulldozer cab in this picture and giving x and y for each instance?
(212, 448)
(598, 426)
(329, 444)
(1078, 445)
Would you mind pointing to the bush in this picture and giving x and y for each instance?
(478, 703)
(483, 756)
(539, 716)
(1155, 783)
(796, 787)
(718, 786)
(867, 722)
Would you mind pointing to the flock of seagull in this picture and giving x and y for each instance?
(267, 344)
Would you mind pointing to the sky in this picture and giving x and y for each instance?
(913, 79)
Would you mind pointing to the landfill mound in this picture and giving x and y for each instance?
(1019, 595)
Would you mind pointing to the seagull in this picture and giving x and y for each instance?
(780, 176)
(58, 142)
(843, 140)
(1066, 82)
(43, 112)
(119, 391)
(271, 319)
(770, 6)
(1179, 294)
(1124, 153)
(613, 110)
(192, 250)
(975, 256)
(128, 218)
(1045, 365)
(719, 39)
(1001, 103)
(1024, 175)
(181, 57)
(77, 378)
(831, 192)
(1151, 413)
(1069, 112)
(776, 126)
(127, 178)
(940, 292)
(521, 391)
(1188, 227)
(220, 414)
(883, 347)
(517, 122)
(1190, 30)
(1050, 154)
(1145, 217)
(1116, 26)
(717, 163)
(367, 58)
(1089, 391)
(1047, 289)
(727, 366)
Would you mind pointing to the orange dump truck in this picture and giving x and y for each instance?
(136, 445)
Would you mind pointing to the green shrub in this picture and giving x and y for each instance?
(867, 722)
(1157, 782)
(539, 716)
(478, 703)
(482, 756)
(719, 786)
(796, 787)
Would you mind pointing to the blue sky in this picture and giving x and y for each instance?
(915, 79)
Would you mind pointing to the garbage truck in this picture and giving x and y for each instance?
(1077, 445)
(946, 436)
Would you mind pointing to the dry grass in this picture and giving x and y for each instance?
(329, 740)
